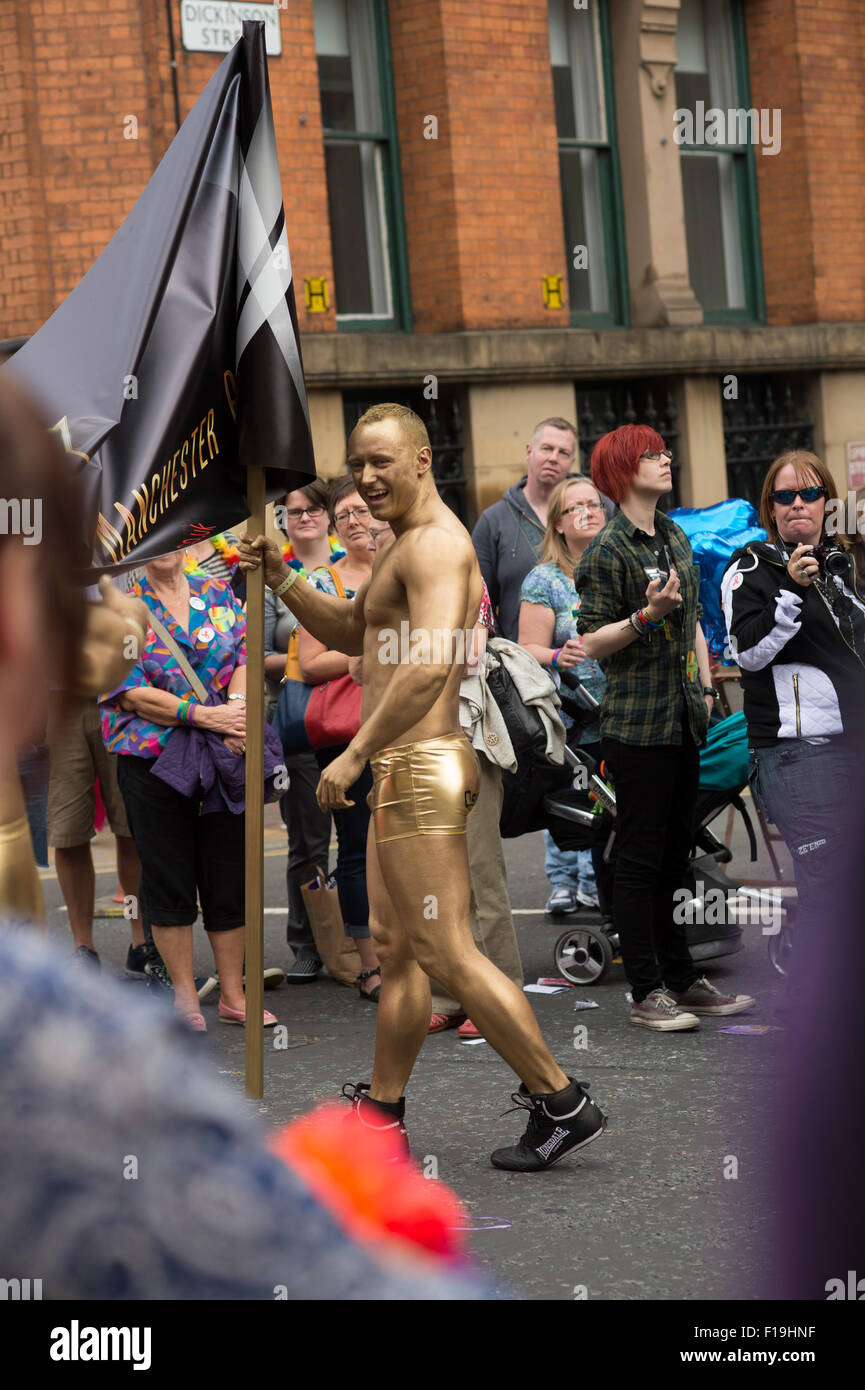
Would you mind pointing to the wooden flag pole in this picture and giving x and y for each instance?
(255, 499)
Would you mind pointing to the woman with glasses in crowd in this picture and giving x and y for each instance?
(305, 521)
(549, 604)
(350, 519)
(796, 620)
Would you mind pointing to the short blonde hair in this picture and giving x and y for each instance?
(410, 423)
(555, 550)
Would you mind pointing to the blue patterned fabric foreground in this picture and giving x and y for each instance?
(714, 533)
(128, 1170)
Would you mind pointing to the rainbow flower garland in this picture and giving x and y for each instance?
(225, 548)
(290, 559)
(230, 554)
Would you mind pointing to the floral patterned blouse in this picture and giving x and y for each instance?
(214, 646)
(548, 585)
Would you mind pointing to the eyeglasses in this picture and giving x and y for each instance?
(295, 513)
(584, 507)
(659, 454)
(787, 495)
(360, 512)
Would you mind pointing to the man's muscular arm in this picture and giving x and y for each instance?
(437, 593)
(337, 622)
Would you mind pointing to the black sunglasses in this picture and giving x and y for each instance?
(787, 495)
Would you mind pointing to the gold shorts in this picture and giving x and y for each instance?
(425, 788)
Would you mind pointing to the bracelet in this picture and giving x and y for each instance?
(555, 658)
(286, 584)
(235, 695)
(644, 614)
(183, 710)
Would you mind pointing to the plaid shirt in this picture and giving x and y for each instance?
(652, 681)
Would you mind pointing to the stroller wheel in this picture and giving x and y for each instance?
(583, 956)
(780, 948)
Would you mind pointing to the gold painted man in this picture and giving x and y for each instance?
(425, 780)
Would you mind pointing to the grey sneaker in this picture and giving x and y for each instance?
(704, 998)
(82, 955)
(560, 901)
(306, 967)
(586, 899)
(660, 1011)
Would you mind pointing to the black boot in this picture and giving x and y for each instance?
(377, 1114)
(559, 1124)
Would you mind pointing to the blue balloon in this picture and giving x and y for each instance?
(715, 533)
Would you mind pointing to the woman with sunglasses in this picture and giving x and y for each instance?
(796, 621)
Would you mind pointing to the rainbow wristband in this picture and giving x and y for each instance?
(644, 616)
(183, 711)
(555, 661)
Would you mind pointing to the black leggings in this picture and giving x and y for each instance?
(184, 855)
(352, 826)
(656, 792)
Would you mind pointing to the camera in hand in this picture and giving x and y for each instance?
(832, 558)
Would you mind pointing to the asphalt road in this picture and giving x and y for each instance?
(669, 1204)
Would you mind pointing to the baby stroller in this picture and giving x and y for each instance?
(582, 816)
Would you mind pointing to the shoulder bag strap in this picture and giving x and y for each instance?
(165, 637)
(340, 587)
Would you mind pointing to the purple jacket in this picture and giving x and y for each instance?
(196, 760)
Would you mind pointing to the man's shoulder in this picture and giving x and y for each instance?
(436, 540)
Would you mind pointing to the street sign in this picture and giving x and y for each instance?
(214, 26)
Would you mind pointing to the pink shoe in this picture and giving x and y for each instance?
(469, 1030)
(227, 1015)
(195, 1023)
(439, 1022)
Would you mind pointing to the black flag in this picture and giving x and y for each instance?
(175, 363)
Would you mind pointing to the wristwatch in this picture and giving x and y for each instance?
(710, 690)
(236, 696)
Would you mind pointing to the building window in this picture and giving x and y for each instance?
(717, 160)
(588, 163)
(361, 162)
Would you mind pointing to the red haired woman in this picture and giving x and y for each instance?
(639, 617)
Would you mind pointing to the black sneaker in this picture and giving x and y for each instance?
(82, 955)
(159, 978)
(378, 1114)
(137, 958)
(550, 1137)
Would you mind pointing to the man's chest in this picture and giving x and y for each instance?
(386, 603)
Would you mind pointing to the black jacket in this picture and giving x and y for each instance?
(801, 676)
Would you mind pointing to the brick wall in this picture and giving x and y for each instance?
(482, 202)
(72, 71)
(806, 57)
